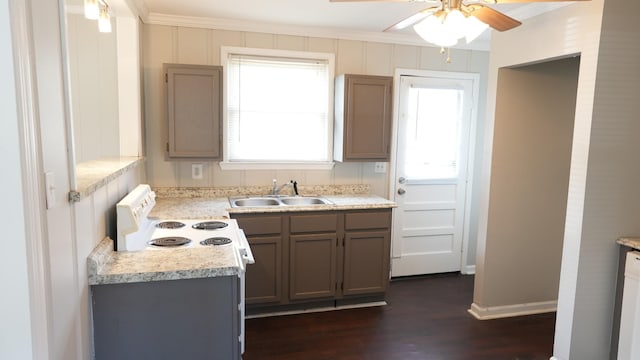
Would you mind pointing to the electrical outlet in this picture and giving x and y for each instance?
(380, 167)
(196, 171)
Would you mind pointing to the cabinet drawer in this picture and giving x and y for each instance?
(368, 220)
(261, 225)
(313, 223)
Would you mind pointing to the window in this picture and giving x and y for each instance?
(278, 108)
(434, 132)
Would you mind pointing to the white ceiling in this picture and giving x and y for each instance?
(354, 20)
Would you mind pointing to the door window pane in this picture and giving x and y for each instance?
(433, 136)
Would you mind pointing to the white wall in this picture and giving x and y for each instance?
(15, 330)
(93, 69)
(72, 229)
(603, 201)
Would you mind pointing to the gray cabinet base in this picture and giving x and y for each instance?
(179, 319)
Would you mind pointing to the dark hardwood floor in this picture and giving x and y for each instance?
(426, 318)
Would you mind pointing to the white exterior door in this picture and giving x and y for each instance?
(433, 129)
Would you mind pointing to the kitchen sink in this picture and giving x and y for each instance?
(304, 201)
(255, 202)
(262, 201)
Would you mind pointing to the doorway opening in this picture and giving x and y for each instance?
(519, 271)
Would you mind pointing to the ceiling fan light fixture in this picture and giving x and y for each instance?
(433, 29)
(91, 9)
(445, 28)
(104, 21)
(473, 28)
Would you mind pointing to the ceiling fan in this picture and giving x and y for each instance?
(446, 21)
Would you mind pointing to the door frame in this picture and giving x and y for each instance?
(475, 78)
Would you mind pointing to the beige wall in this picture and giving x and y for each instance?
(172, 44)
(532, 139)
(202, 46)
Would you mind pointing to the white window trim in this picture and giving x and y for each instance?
(248, 165)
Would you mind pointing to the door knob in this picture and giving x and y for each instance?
(402, 180)
(401, 191)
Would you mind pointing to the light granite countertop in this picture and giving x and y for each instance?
(220, 208)
(213, 203)
(92, 175)
(106, 266)
(632, 242)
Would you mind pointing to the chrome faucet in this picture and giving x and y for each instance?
(276, 189)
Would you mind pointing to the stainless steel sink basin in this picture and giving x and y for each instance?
(304, 201)
(254, 202)
(262, 201)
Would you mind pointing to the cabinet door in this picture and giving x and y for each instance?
(194, 112)
(312, 261)
(366, 116)
(264, 277)
(366, 262)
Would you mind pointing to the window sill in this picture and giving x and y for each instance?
(228, 165)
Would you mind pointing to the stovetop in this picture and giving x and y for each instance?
(136, 231)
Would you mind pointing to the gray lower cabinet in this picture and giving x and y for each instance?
(367, 247)
(264, 277)
(194, 319)
(317, 256)
(313, 251)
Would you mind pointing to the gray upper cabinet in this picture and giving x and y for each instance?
(194, 111)
(362, 130)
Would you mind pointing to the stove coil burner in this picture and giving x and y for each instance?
(210, 225)
(171, 241)
(170, 225)
(216, 241)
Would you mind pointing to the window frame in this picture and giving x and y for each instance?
(226, 163)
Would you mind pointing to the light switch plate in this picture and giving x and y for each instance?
(380, 167)
(196, 171)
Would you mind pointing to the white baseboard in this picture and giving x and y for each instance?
(468, 270)
(555, 358)
(496, 312)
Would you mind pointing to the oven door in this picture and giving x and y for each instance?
(246, 257)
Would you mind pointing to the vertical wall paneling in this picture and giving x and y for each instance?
(378, 59)
(159, 48)
(350, 57)
(356, 57)
(287, 42)
(406, 57)
(259, 40)
(192, 46)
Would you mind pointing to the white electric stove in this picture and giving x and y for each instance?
(138, 232)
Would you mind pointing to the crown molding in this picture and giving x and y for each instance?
(298, 30)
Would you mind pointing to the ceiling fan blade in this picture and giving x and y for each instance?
(491, 17)
(372, 0)
(412, 19)
(524, 1)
